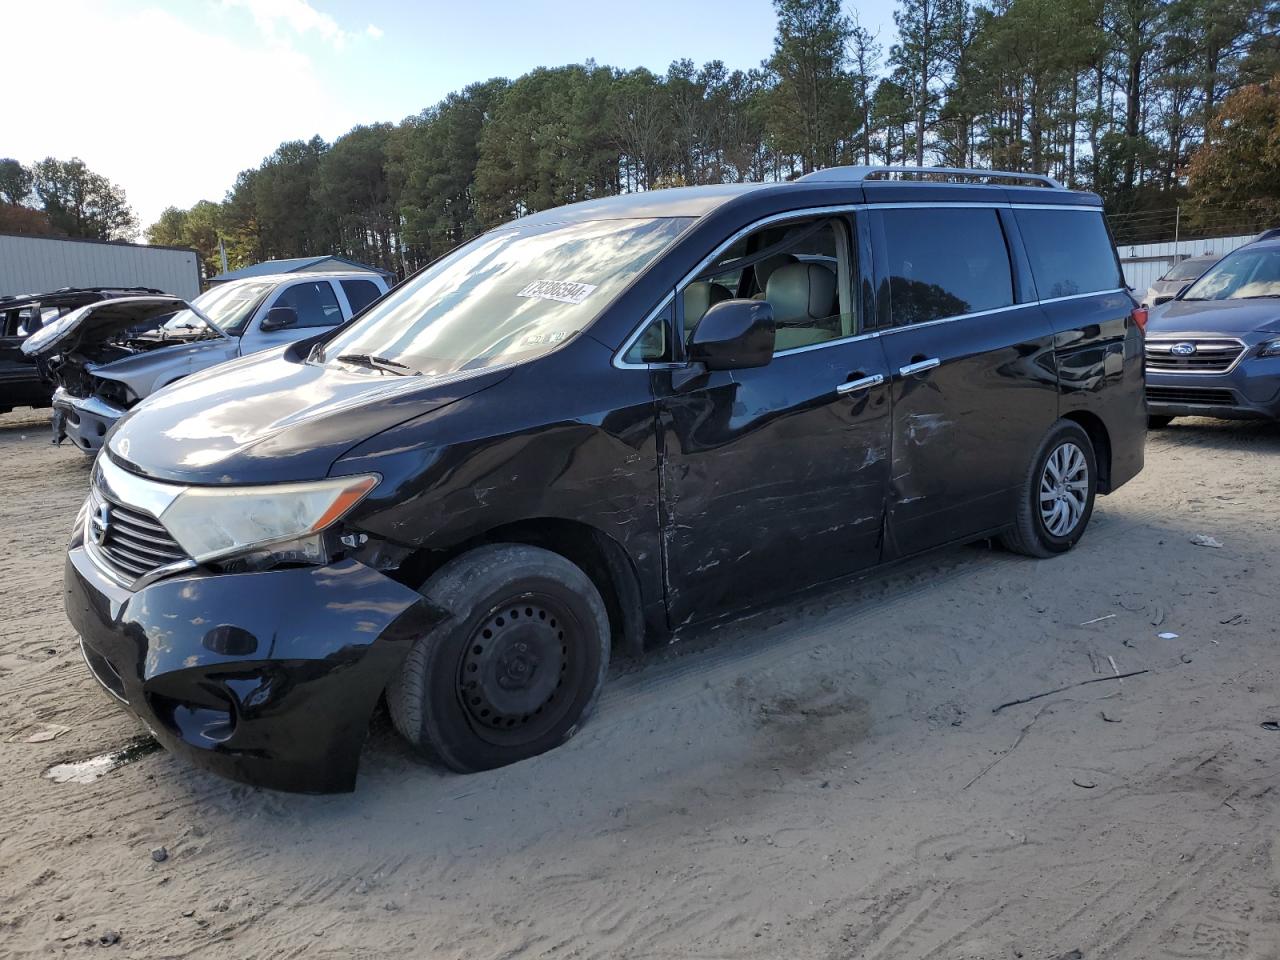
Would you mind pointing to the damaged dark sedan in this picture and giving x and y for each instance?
(584, 430)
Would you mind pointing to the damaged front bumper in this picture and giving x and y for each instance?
(268, 678)
(85, 421)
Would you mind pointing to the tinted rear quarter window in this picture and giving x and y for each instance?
(360, 293)
(1070, 252)
(944, 262)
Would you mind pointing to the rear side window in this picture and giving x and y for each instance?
(944, 262)
(360, 293)
(1070, 252)
(315, 303)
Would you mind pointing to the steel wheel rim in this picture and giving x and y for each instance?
(1064, 489)
(519, 671)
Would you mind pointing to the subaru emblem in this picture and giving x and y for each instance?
(99, 520)
(1183, 349)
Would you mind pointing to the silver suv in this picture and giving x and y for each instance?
(108, 356)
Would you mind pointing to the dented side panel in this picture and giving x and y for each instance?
(569, 438)
(770, 479)
(965, 431)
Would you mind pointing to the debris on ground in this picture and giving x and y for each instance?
(1203, 540)
(159, 854)
(109, 938)
(1084, 784)
(1080, 683)
(1167, 636)
(1271, 725)
(41, 733)
(1097, 619)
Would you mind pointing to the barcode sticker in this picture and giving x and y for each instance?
(565, 291)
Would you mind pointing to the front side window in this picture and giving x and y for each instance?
(1070, 252)
(314, 302)
(509, 295)
(1242, 275)
(800, 268)
(944, 262)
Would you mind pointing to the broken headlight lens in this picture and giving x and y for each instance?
(213, 522)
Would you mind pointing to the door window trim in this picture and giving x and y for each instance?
(831, 211)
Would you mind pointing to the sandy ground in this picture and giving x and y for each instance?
(825, 779)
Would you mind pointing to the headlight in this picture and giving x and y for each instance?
(1270, 349)
(212, 522)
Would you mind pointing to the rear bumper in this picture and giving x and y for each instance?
(84, 421)
(1250, 391)
(267, 678)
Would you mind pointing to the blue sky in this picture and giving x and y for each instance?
(172, 99)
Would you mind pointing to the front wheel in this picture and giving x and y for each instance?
(1056, 500)
(516, 667)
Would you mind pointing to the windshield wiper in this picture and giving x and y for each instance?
(381, 364)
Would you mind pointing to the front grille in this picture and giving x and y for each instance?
(132, 543)
(1192, 396)
(1210, 356)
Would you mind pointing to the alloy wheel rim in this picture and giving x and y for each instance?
(1064, 489)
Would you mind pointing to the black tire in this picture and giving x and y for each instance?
(516, 668)
(1030, 534)
(1158, 423)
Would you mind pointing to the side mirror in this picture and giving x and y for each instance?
(734, 335)
(278, 318)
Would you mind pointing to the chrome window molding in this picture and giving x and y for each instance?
(834, 210)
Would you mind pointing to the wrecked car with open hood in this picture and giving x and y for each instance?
(108, 356)
(583, 430)
(22, 381)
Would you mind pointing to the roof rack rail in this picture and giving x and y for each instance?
(949, 174)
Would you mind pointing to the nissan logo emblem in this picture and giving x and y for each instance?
(98, 523)
(1183, 349)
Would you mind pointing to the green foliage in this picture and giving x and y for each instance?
(811, 105)
(81, 203)
(15, 182)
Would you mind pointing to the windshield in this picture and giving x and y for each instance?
(229, 305)
(1240, 276)
(509, 295)
(1187, 270)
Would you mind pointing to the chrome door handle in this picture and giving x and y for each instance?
(921, 367)
(853, 385)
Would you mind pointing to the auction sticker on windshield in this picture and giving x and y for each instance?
(565, 291)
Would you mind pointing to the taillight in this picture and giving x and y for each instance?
(1140, 318)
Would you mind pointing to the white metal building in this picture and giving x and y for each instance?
(41, 264)
(1145, 263)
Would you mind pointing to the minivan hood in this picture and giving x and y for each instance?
(1239, 317)
(271, 418)
(97, 322)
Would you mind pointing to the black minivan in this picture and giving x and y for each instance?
(586, 429)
